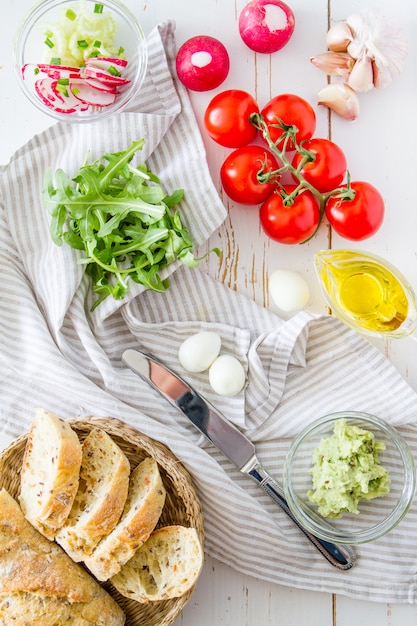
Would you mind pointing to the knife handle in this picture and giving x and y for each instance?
(342, 557)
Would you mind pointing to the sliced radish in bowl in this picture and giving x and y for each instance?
(43, 88)
(47, 89)
(84, 92)
(100, 86)
(104, 76)
(59, 71)
(106, 62)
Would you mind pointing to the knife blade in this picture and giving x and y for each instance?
(227, 438)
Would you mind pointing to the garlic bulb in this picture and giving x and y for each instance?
(381, 41)
(365, 51)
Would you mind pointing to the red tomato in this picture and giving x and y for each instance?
(327, 168)
(239, 174)
(290, 224)
(293, 111)
(360, 217)
(227, 118)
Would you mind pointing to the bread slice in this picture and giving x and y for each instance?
(39, 584)
(101, 495)
(144, 504)
(50, 472)
(166, 566)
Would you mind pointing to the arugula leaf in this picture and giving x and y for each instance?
(120, 217)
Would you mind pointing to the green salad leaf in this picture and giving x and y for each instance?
(121, 218)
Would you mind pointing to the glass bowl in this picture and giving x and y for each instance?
(376, 516)
(367, 292)
(96, 89)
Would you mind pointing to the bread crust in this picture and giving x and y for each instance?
(142, 510)
(100, 499)
(36, 574)
(48, 485)
(165, 567)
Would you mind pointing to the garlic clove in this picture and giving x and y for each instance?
(356, 49)
(389, 58)
(383, 75)
(341, 99)
(334, 63)
(360, 34)
(338, 37)
(362, 76)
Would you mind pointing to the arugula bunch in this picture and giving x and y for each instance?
(120, 217)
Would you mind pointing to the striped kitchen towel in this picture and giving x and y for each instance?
(56, 354)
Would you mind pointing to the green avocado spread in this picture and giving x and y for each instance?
(345, 469)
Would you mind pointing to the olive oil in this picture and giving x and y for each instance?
(367, 292)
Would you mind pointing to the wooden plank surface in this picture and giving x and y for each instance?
(380, 148)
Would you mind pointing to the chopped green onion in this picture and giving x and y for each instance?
(75, 90)
(63, 81)
(113, 70)
(98, 8)
(55, 61)
(49, 43)
(71, 15)
(94, 54)
(82, 43)
(62, 89)
(97, 44)
(36, 71)
(121, 50)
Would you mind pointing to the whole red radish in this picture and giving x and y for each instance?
(266, 26)
(202, 63)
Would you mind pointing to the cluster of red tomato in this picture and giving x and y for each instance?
(296, 180)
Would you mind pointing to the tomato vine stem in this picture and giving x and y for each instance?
(280, 148)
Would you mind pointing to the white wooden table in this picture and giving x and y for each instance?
(380, 148)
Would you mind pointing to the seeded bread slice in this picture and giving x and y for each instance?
(50, 472)
(144, 504)
(165, 567)
(39, 584)
(101, 496)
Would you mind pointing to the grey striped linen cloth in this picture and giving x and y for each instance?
(57, 355)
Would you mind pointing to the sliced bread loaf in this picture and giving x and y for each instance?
(144, 504)
(101, 496)
(50, 472)
(39, 584)
(166, 566)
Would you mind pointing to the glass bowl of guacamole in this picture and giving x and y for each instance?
(349, 477)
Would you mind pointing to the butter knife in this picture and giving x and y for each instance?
(227, 438)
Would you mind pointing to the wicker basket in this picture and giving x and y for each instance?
(182, 505)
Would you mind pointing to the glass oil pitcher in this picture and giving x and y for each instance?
(367, 292)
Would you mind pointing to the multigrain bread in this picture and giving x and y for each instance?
(50, 472)
(101, 495)
(40, 584)
(144, 504)
(165, 567)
